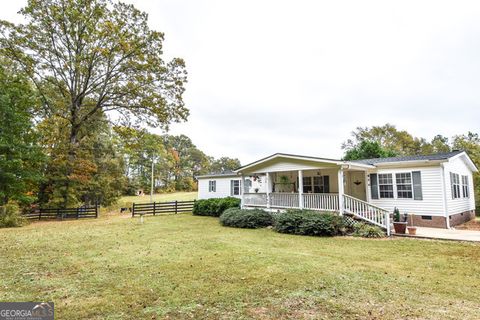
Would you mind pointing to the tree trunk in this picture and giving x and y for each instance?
(72, 156)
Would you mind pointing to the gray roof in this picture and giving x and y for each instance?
(218, 174)
(429, 157)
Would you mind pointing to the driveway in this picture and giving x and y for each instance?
(445, 234)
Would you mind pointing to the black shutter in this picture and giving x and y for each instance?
(417, 185)
(326, 184)
(374, 185)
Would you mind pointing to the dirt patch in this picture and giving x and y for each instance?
(470, 225)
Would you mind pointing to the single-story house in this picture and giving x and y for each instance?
(432, 190)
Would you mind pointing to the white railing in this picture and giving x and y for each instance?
(284, 200)
(367, 211)
(321, 201)
(255, 199)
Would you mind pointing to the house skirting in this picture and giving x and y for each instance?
(439, 221)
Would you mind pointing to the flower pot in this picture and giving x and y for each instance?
(400, 227)
(412, 230)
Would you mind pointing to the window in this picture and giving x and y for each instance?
(385, 185)
(465, 189)
(307, 185)
(404, 185)
(234, 187)
(426, 217)
(212, 186)
(455, 183)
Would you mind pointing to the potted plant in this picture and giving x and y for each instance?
(399, 225)
(412, 230)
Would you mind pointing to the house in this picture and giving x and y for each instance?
(432, 190)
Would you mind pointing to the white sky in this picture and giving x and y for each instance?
(298, 76)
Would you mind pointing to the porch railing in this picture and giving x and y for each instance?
(321, 201)
(255, 199)
(284, 200)
(367, 211)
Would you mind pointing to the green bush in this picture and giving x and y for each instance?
(214, 207)
(311, 223)
(252, 219)
(10, 216)
(367, 231)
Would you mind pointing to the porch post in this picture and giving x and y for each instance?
(268, 189)
(340, 190)
(242, 191)
(300, 189)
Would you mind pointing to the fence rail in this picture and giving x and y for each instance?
(62, 213)
(155, 208)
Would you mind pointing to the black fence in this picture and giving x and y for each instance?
(62, 213)
(162, 207)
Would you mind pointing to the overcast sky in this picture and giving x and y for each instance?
(270, 76)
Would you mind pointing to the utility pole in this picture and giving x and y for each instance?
(151, 187)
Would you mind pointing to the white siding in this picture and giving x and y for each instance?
(222, 190)
(432, 190)
(457, 165)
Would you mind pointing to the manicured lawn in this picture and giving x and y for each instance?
(186, 267)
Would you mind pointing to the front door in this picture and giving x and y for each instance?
(356, 185)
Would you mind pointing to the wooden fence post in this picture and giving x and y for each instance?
(39, 213)
(154, 207)
(78, 212)
(133, 210)
(176, 206)
(96, 211)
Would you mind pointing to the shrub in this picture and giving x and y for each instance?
(10, 216)
(367, 231)
(251, 219)
(215, 206)
(307, 222)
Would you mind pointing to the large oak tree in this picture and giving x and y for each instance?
(92, 56)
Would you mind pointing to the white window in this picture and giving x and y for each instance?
(212, 186)
(404, 185)
(234, 187)
(465, 188)
(385, 185)
(455, 183)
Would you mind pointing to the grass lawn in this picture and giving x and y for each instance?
(187, 267)
(159, 197)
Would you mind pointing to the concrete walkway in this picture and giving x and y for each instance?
(444, 234)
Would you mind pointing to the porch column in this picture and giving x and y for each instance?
(242, 191)
(300, 189)
(268, 189)
(340, 190)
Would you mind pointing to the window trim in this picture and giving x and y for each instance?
(233, 187)
(212, 185)
(465, 187)
(385, 184)
(455, 186)
(404, 184)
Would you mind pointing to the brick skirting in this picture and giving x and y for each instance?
(439, 221)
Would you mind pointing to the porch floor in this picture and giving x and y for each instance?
(443, 234)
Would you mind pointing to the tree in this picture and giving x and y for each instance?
(96, 56)
(225, 164)
(389, 138)
(367, 150)
(20, 157)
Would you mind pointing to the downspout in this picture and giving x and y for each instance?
(445, 202)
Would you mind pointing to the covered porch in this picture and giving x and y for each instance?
(297, 182)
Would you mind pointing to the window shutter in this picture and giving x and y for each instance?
(452, 186)
(231, 187)
(326, 184)
(374, 185)
(417, 185)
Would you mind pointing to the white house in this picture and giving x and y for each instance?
(433, 190)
